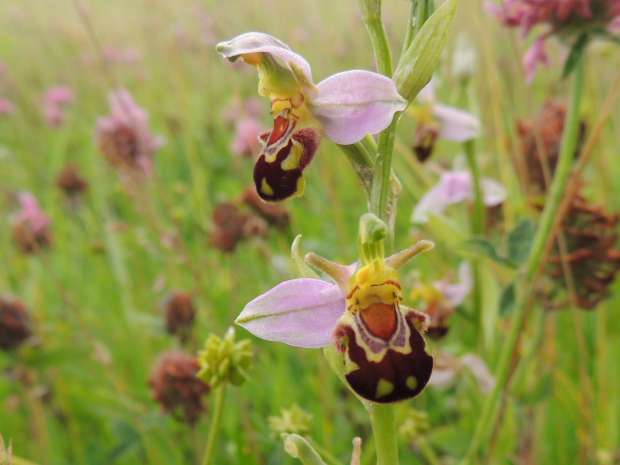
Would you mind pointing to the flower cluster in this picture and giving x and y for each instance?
(70, 182)
(225, 360)
(590, 253)
(55, 101)
(176, 387)
(31, 226)
(250, 217)
(293, 420)
(124, 137)
(560, 17)
(14, 323)
(540, 147)
(180, 313)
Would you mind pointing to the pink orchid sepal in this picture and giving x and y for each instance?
(344, 107)
(360, 313)
(456, 187)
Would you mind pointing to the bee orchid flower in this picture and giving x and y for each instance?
(344, 108)
(383, 357)
(436, 120)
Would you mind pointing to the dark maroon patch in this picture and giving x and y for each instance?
(396, 368)
(282, 183)
(425, 139)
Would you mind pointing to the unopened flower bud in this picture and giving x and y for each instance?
(224, 360)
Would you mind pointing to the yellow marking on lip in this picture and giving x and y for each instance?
(384, 388)
(266, 188)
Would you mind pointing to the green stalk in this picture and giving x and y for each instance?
(384, 430)
(216, 420)
(477, 227)
(371, 15)
(383, 171)
(488, 417)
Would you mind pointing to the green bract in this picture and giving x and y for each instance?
(421, 59)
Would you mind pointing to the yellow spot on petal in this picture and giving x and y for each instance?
(252, 58)
(294, 158)
(266, 188)
(301, 187)
(384, 388)
(411, 383)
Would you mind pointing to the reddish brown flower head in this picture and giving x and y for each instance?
(14, 323)
(540, 146)
(180, 314)
(275, 215)
(231, 225)
(31, 226)
(591, 255)
(176, 387)
(70, 181)
(125, 138)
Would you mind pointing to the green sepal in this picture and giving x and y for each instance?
(419, 62)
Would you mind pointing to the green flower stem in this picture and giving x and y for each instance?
(384, 430)
(371, 15)
(216, 420)
(383, 171)
(424, 9)
(488, 417)
(477, 226)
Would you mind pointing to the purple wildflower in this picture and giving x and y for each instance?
(124, 137)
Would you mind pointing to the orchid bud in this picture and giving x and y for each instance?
(421, 59)
(224, 360)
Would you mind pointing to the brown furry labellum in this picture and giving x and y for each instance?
(71, 182)
(176, 387)
(426, 136)
(385, 358)
(180, 314)
(592, 257)
(279, 175)
(14, 323)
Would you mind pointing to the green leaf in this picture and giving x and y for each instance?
(520, 241)
(483, 247)
(576, 53)
(419, 62)
(507, 300)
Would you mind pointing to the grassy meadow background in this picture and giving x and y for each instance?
(96, 296)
